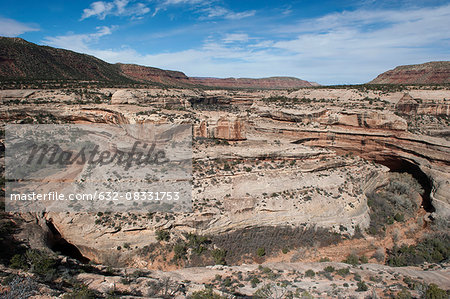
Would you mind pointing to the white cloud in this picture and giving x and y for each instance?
(240, 15)
(349, 47)
(222, 12)
(11, 28)
(207, 8)
(175, 2)
(101, 9)
(349, 34)
(121, 6)
(235, 37)
(79, 42)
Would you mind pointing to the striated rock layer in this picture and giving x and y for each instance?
(436, 72)
(144, 73)
(292, 161)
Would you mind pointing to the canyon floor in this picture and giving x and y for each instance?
(312, 192)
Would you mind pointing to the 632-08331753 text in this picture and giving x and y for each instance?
(106, 195)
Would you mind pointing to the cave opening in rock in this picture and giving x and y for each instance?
(397, 164)
(59, 244)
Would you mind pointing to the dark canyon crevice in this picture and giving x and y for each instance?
(58, 244)
(398, 164)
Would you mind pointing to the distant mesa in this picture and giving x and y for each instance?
(151, 74)
(271, 82)
(436, 72)
(20, 59)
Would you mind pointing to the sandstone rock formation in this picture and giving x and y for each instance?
(301, 158)
(124, 97)
(151, 74)
(227, 127)
(436, 72)
(409, 105)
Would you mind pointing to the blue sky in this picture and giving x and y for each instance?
(329, 42)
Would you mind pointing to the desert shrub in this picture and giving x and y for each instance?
(434, 292)
(254, 282)
(20, 287)
(205, 294)
(361, 286)
(267, 272)
(9, 246)
(351, 259)
(399, 217)
(328, 275)
(329, 269)
(162, 235)
(363, 259)
(18, 261)
(343, 272)
(403, 294)
(375, 278)
(37, 262)
(432, 249)
(179, 250)
(310, 273)
(126, 280)
(261, 251)
(197, 243)
(80, 291)
(219, 256)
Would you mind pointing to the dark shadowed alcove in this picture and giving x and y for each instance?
(398, 164)
(59, 244)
